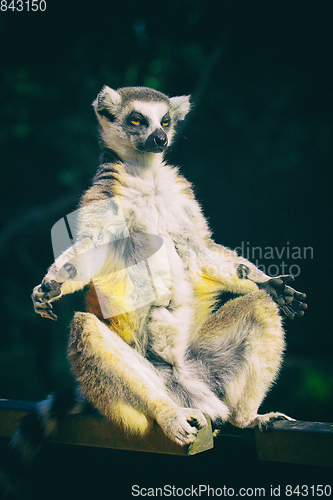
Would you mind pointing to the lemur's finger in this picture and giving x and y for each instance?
(299, 305)
(272, 292)
(294, 308)
(291, 291)
(279, 283)
(52, 294)
(298, 312)
(47, 284)
(276, 282)
(302, 305)
(50, 288)
(194, 422)
(288, 312)
(299, 295)
(289, 299)
(45, 310)
(270, 287)
(43, 305)
(37, 294)
(38, 297)
(49, 315)
(287, 277)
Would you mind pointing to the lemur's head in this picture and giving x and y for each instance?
(136, 121)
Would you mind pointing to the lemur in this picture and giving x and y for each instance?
(179, 356)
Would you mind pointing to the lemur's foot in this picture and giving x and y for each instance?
(181, 424)
(265, 422)
(43, 294)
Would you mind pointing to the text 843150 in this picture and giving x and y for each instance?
(23, 5)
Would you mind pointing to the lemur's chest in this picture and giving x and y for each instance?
(155, 211)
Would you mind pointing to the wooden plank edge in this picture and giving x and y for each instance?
(297, 442)
(91, 429)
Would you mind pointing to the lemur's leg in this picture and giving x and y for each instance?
(123, 385)
(243, 343)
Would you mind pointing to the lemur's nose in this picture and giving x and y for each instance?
(160, 138)
(156, 142)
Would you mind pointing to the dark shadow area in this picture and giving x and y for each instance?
(231, 468)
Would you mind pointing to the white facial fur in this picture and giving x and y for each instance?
(154, 111)
(120, 137)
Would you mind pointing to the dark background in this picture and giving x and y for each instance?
(257, 146)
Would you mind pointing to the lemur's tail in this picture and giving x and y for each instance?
(31, 433)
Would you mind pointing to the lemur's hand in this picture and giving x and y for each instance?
(289, 300)
(42, 296)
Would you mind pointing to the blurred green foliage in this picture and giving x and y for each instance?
(257, 146)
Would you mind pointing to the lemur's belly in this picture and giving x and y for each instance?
(170, 322)
(168, 333)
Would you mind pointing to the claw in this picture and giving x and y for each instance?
(195, 423)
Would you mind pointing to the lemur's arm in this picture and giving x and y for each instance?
(98, 222)
(240, 276)
(67, 274)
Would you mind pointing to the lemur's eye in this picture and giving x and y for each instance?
(137, 119)
(165, 121)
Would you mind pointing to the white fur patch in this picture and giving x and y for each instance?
(43, 409)
(153, 110)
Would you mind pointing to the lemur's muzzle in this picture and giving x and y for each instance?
(156, 142)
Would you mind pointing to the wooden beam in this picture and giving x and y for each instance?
(91, 429)
(308, 443)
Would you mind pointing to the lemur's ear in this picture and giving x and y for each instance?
(106, 104)
(180, 106)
